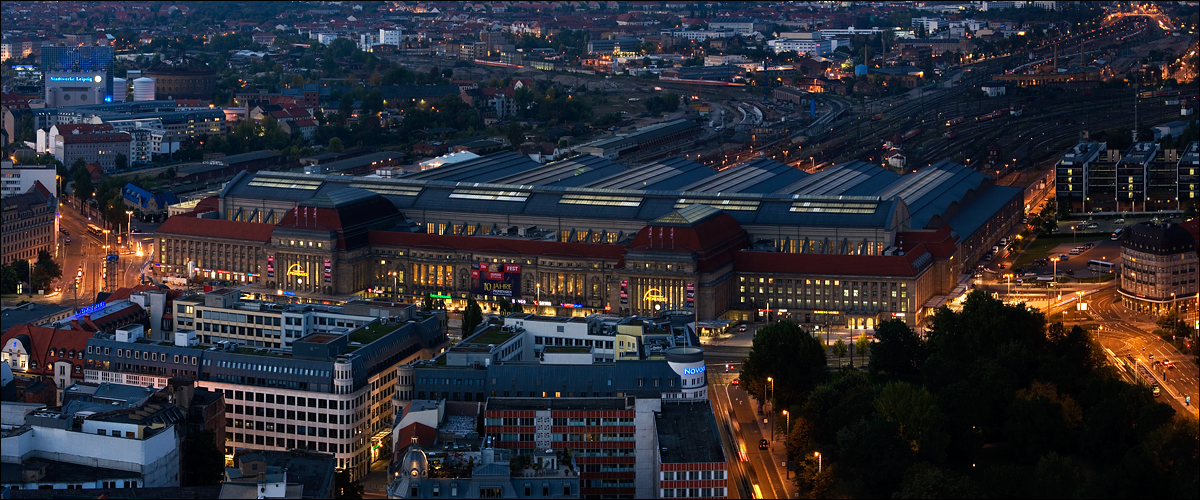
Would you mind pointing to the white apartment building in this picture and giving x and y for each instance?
(221, 315)
(391, 37)
(802, 46)
(17, 179)
(138, 449)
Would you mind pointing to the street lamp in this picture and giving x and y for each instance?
(818, 455)
(771, 381)
(128, 226)
(1008, 277)
(1054, 279)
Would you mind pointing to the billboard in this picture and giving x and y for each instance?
(496, 280)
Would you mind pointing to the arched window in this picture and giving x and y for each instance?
(78, 369)
(71, 354)
(33, 364)
(52, 352)
(62, 353)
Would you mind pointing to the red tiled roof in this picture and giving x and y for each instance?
(83, 128)
(217, 228)
(42, 189)
(425, 436)
(94, 138)
(810, 263)
(714, 240)
(940, 243)
(41, 340)
(510, 246)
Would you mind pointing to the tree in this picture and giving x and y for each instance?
(840, 349)
(121, 161)
(335, 144)
(916, 414)
(862, 343)
(898, 350)
(472, 317)
(203, 463)
(45, 271)
(82, 186)
(169, 173)
(791, 356)
(515, 134)
(505, 306)
(9, 279)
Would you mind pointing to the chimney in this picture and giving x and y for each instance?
(75, 324)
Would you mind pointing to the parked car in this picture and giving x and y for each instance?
(763, 444)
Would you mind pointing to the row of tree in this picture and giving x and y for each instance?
(44, 272)
(990, 399)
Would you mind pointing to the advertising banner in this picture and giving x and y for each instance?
(271, 266)
(496, 280)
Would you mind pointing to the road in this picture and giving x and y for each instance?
(1123, 331)
(86, 252)
(763, 468)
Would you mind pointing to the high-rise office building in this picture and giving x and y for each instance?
(70, 73)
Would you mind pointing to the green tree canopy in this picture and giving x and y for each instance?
(791, 356)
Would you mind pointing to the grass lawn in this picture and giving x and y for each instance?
(1041, 247)
(371, 333)
(493, 336)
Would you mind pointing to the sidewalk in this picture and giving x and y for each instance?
(778, 452)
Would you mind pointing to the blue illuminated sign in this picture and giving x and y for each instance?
(693, 371)
(99, 306)
(107, 98)
(572, 306)
(96, 79)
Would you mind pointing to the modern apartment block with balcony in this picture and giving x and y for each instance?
(1146, 178)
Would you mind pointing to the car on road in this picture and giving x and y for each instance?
(67, 241)
(1151, 355)
(1119, 221)
(763, 444)
(735, 382)
(1156, 390)
(1167, 363)
(64, 231)
(742, 328)
(1070, 272)
(1064, 257)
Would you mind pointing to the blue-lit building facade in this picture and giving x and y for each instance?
(77, 75)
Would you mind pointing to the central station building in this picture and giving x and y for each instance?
(850, 246)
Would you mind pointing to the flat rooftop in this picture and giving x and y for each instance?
(687, 433)
(561, 404)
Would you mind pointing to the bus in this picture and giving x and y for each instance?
(1100, 266)
(94, 229)
(1116, 234)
